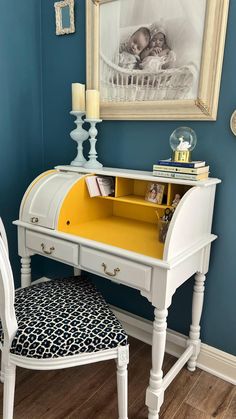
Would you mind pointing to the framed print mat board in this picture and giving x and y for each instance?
(156, 59)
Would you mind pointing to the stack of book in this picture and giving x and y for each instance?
(194, 170)
(100, 185)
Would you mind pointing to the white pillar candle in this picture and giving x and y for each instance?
(78, 97)
(92, 104)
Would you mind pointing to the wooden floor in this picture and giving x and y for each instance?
(89, 392)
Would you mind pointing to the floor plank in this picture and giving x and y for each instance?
(188, 412)
(231, 411)
(70, 388)
(138, 408)
(176, 393)
(211, 395)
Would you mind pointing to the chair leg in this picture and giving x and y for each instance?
(122, 388)
(9, 391)
(2, 371)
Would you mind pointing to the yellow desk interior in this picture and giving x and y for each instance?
(136, 236)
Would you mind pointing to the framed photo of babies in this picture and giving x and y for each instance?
(156, 59)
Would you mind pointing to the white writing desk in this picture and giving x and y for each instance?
(116, 238)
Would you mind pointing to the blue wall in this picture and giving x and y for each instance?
(21, 149)
(138, 145)
(127, 144)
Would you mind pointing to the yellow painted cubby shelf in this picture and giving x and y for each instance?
(134, 199)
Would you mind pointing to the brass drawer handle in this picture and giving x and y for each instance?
(116, 270)
(47, 252)
(34, 219)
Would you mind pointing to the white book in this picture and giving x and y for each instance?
(188, 170)
(93, 189)
(106, 185)
(180, 175)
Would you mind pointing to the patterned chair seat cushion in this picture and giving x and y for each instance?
(64, 317)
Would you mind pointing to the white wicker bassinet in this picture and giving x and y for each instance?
(122, 85)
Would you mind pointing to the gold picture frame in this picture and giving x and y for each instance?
(64, 13)
(202, 107)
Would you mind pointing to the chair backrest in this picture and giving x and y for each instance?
(7, 291)
(3, 235)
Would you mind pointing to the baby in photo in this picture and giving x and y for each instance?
(129, 53)
(157, 55)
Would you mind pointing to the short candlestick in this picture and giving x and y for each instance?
(79, 135)
(92, 163)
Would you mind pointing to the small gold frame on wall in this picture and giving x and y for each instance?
(65, 21)
(202, 105)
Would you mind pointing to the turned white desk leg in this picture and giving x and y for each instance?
(25, 272)
(155, 391)
(194, 335)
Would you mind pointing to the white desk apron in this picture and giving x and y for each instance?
(186, 252)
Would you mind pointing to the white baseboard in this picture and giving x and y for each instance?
(216, 362)
(212, 360)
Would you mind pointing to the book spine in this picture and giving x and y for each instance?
(176, 175)
(187, 170)
(175, 164)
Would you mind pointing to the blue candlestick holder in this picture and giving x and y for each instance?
(93, 163)
(79, 135)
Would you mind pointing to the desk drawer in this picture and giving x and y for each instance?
(53, 248)
(115, 268)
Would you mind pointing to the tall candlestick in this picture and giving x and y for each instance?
(92, 104)
(78, 97)
(92, 162)
(79, 135)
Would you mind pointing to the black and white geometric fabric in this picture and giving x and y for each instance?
(64, 317)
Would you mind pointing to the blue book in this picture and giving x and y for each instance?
(169, 162)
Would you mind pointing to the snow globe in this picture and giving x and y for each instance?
(182, 141)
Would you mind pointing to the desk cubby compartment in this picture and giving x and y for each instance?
(173, 190)
(133, 191)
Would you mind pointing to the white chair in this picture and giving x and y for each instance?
(57, 324)
(3, 234)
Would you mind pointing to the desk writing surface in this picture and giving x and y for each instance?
(136, 236)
